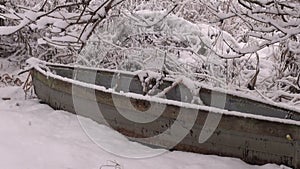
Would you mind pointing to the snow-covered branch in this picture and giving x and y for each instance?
(63, 27)
(271, 21)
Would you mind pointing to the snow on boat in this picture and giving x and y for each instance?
(224, 124)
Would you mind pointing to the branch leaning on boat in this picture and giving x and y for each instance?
(151, 80)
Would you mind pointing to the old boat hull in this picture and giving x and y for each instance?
(254, 140)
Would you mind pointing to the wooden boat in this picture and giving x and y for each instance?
(251, 130)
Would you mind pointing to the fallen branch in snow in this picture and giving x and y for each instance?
(114, 164)
(8, 80)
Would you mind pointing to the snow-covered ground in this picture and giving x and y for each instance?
(35, 136)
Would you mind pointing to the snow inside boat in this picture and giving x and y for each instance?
(254, 131)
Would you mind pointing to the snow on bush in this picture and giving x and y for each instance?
(158, 40)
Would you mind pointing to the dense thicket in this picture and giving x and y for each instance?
(249, 45)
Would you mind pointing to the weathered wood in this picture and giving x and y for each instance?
(255, 141)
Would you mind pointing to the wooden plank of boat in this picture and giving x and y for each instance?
(257, 136)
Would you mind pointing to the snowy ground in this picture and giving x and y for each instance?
(34, 136)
